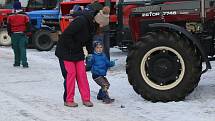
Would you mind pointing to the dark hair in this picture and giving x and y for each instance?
(17, 5)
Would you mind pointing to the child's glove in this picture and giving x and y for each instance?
(113, 62)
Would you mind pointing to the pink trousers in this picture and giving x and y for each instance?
(76, 71)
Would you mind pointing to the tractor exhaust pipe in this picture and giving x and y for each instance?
(202, 7)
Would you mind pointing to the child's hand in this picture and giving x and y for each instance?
(112, 63)
(115, 60)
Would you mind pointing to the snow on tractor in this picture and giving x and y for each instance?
(171, 39)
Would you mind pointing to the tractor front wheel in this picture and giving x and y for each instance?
(163, 67)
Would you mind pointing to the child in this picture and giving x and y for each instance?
(99, 65)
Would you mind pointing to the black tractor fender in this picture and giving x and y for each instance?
(183, 31)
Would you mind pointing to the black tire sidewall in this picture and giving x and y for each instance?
(146, 90)
(36, 37)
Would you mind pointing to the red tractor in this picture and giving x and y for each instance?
(171, 41)
(168, 42)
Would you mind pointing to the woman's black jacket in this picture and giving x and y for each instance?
(75, 36)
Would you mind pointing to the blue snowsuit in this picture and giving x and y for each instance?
(99, 65)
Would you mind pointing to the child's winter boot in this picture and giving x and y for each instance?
(107, 99)
(101, 95)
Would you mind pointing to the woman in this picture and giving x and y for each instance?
(70, 51)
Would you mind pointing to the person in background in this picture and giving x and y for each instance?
(69, 50)
(99, 65)
(18, 27)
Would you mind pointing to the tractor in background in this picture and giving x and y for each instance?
(45, 27)
(120, 34)
(66, 17)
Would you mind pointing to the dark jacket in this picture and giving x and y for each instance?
(74, 37)
(99, 64)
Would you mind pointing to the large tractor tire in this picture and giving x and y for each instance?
(163, 67)
(5, 39)
(42, 40)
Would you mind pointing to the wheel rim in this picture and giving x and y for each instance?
(162, 68)
(5, 38)
(44, 41)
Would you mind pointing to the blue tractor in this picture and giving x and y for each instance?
(45, 28)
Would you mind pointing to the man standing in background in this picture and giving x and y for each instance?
(17, 27)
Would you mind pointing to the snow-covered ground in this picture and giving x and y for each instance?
(35, 94)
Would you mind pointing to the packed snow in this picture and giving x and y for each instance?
(35, 94)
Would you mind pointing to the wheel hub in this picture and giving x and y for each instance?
(5, 38)
(162, 68)
(44, 40)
